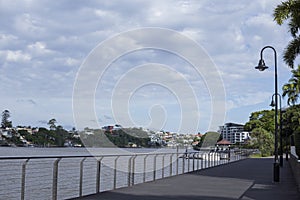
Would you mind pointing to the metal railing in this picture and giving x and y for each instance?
(64, 177)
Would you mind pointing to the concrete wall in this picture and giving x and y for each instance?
(295, 165)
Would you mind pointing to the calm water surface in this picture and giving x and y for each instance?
(34, 151)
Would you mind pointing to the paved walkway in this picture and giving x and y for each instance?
(246, 180)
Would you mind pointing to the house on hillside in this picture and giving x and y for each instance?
(6, 132)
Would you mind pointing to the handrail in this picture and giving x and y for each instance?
(88, 172)
(80, 156)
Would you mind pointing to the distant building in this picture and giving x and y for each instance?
(234, 133)
(6, 132)
(28, 129)
(111, 128)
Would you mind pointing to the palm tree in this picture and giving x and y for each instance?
(292, 88)
(289, 10)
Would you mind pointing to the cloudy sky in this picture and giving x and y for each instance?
(47, 46)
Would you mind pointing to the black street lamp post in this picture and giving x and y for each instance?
(287, 146)
(280, 132)
(261, 67)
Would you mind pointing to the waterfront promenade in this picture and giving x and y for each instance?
(249, 179)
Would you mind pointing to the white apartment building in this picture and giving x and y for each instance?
(234, 133)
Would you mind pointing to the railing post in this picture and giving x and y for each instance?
(154, 168)
(145, 161)
(221, 159)
(23, 179)
(129, 170)
(163, 167)
(183, 163)
(177, 163)
(198, 160)
(171, 165)
(206, 160)
(188, 158)
(115, 172)
(202, 159)
(194, 161)
(55, 178)
(81, 177)
(98, 175)
(133, 170)
(215, 158)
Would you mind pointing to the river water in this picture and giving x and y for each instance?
(38, 173)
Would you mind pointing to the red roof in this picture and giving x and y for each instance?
(224, 142)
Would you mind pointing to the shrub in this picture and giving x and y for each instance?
(297, 141)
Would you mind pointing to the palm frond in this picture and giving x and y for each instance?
(291, 52)
(282, 11)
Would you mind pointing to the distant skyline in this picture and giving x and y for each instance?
(44, 43)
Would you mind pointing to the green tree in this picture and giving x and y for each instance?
(41, 138)
(263, 140)
(297, 140)
(121, 138)
(60, 135)
(261, 119)
(5, 123)
(52, 123)
(292, 88)
(291, 124)
(261, 127)
(97, 139)
(289, 11)
(209, 139)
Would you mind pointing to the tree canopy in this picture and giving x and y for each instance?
(289, 11)
(121, 138)
(261, 119)
(261, 127)
(209, 139)
(292, 88)
(5, 122)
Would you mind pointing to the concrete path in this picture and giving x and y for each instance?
(246, 180)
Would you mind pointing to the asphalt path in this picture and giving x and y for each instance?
(249, 179)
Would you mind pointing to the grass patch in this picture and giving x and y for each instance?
(255, 155)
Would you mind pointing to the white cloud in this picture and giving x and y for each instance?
(247, 99)
(261, 20)
(8, 40)
(37, 46)
(43, 43)
(17, 56)
(29, 26)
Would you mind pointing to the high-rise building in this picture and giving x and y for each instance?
(234, 133)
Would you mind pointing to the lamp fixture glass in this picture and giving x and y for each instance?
(261, 65)
(272, 104)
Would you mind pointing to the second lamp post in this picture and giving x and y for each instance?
(280, 129)
(261, 67)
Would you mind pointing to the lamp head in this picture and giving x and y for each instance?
(272, 104)
(261, 65)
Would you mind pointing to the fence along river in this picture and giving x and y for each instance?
(73, 172)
